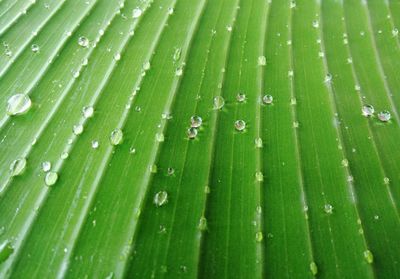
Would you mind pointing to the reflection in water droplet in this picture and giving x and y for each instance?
(17, 167)
(18, 104)
(161, 198)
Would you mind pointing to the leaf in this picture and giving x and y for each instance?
(210, 139)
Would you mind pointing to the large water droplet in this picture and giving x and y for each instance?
(51, 178)
(161, 198)
(5, 251)
(18, 104)
(240, 125)
(116, 137)
(368, 110)
(218, 102)
(17, 167)
(384, 116)
(195, 121)
(267, 99)
(137, 12)
(83, 41)
(192, 133)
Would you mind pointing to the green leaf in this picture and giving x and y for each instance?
(199, 139)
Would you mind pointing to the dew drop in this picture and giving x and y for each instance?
(117, 56)
(259, 236)
(5, 251)
(262, 61)
(384, 116)
(46, 166)
(18, 104)
(369, 257)
(368, 110)
(292, 4)
(95, 144)
(240, 125)
(192, 133)
(386, 180)
(17, 167)
(313, 268)
(202, 223)
(146, 66)
(258, 142)
(170, 10)
(195, 121)
(267, 99)
(179, 71)
(240, 97)
(161, 198)
(315, 23)
(160, 137)
(259, 176)
(87, 112)
(116, 137)
(83, 41)
(395, 32)
(177, 54)
(78, 129)
(51, 178)
(170, 171)
(35, 48)
(64, 155)
(218, 102)
(137, 12)
(328, 78)
(328, 208)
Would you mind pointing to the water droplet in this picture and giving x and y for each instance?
(8, 52)
(75, 74)
(368, 110)
(195, 121)
(328, 208)
(153, 168)
(116, 137)
(95, 144)
(177, 54)
(179, 71)
(313, 268)
(35, 48)
(137, 12)
(160, 137)
(292, 4)
(18, 104)
(259, 236)
(77, 129)
(64, 155)
(240, 97)
(259, 176)
(146, 66)
(192, 133)
(17, 167)
(384, 116)
(202, 223)
(51, 178)
(5, 251)
(170, 10)
(395, 32)
(240, 125)
(218, 102)
(229, 28)
(83, 41)
(262, 61)
(345, 163)
(46, 166)
(132, 150)
(170, 171)
(328, 78)
(117, 56)
(315, 23)
(161, 198)
(267, 99)
(258, 142)
(369, 257)
(87, 112)
(386, 180)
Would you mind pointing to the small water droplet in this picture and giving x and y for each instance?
(35, 48)
(170, 10)
(170, 171)
(146, 66)
(240, 97)
(292, 4)
(345, 163)
(83, 41)
(328, 78)
(262, 61)
(117, 56)
(386, 180)
(51, 178)
(5, 251)
(87, 112)
(64, 155)
(46, 166)
(313, 268)
(192, 133)
(95, 144)
(137, 12)
(395, 32)
(18, 104)
(259, 176)
(384, 116)
(258, 142)
(177, 54)
(315, 23)
(229, 28)
(328, 208)
(17, 167)
(195, 121)
(160, 137)
(202, 223)
(218, 102)
(77, 129)
(369, 257)
(368, 110)
(161, 198)
(132, 150)
(179, 71)
(240, 125)
(116, 137)
(267, 99)
(259, 236)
